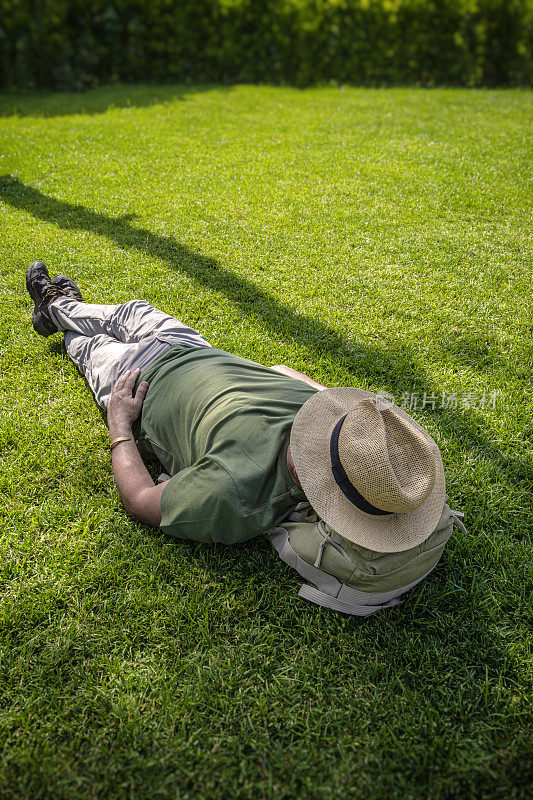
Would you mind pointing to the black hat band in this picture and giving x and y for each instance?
(342, 480)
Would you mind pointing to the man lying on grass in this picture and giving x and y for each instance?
(248, 447)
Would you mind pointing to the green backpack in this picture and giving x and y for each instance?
(346, 577)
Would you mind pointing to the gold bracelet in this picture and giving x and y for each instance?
(120, 439)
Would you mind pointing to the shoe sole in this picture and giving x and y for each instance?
(40, 323)
(40, 266)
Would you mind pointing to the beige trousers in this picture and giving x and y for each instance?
(105, 340)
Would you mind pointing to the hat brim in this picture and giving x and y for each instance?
(310, 447)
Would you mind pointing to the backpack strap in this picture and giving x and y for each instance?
(279, 539)
(339, 604)
(328, 540)
(457, 521)
(327, 590)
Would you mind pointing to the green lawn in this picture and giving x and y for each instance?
(373, 238)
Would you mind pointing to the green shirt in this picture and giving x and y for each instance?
(220, 426)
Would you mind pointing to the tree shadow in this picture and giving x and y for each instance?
(481, 353)
(381, 365)
(98, 101)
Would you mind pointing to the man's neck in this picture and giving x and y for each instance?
(292, 469)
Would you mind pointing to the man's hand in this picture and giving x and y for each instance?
(124, 407)
(141, 497)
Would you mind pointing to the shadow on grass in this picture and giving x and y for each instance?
(98, 101)
(385, 366)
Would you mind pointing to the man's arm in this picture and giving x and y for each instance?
(139, 494)
(301, 376)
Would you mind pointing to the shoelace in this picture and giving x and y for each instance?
(50, 293)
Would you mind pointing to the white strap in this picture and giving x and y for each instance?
(457, 521)
(325, 600)
(318, 559)
(338, 547)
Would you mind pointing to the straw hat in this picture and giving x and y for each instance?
(368, 469)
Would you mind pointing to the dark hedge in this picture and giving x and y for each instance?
(72, 44)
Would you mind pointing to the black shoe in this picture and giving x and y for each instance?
(68, 287)
(42, 291)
